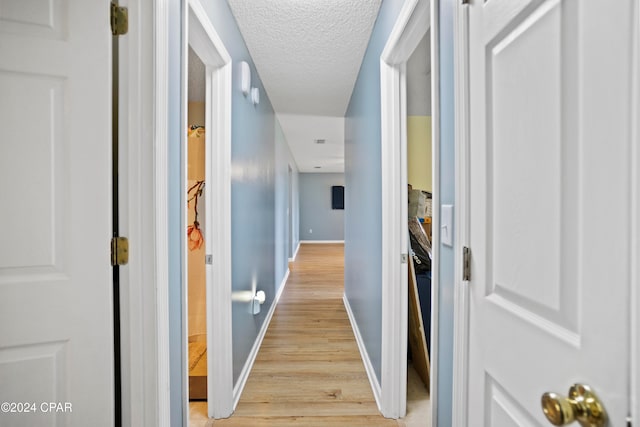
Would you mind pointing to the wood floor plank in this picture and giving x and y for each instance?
(309, 371)
(307, 421)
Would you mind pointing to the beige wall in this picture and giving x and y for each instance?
(195, 114)
(419, 156)
(196, 285)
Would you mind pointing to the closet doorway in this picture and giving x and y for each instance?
(206, 219)
(420, 207)
(196, 226)
(412, 25)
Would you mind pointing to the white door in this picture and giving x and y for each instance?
(56, 334)
(550, 86)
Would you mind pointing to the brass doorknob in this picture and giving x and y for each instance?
(581, 405)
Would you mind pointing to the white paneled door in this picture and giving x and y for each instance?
(550, 180)
(56, 334)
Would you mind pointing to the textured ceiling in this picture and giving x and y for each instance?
(307, 52)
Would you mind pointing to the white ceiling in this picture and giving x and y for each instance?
(301, 132)
(308, 54)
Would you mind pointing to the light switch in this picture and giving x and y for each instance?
(446, 225)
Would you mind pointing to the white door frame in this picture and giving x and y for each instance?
(411, 25)
(435, 223)
(207, 44)
(143, 214)
(144, 105)
(461, 297)
(462, 215)
(635, 226)
(160, 207)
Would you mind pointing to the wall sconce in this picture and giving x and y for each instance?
(258, 300)
(245, 78)
(254, 300)
(255, 95)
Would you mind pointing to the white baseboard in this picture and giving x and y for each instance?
(371, 373)
(283, 283)
(295, 253)
(246, 370)
(321, 241)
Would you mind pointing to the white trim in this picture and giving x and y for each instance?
(635, 224)
(159, 208)
(435, 266)
(295, 253)
(144, 370)
(411, 25)
(462, 216)
(316, 242)
(205, 41)
(184, 251)
(368, 366)
(248, 365)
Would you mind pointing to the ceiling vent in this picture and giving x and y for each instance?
(319, 141)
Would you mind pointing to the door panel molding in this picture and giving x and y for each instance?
(55, 181)
(594, 105)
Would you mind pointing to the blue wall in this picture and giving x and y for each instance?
(447, 194)
(258, 165)
(363, 189)
(253, 131)
(315, 207)
(284, 161)
(363, 286)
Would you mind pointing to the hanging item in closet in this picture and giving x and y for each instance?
(194, 233)
(195, 172)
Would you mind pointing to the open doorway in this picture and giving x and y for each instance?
(410, 28)
(419, 173)
(196, 273)
(206, 180)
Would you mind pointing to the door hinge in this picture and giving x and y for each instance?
(119, 251)
(466, 264)
(404, 258)
(208, 259)
(119, 20)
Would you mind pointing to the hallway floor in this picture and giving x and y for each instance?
(309, 371)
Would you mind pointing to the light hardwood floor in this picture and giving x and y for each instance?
(309, 371)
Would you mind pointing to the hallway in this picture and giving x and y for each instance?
(309, 371)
